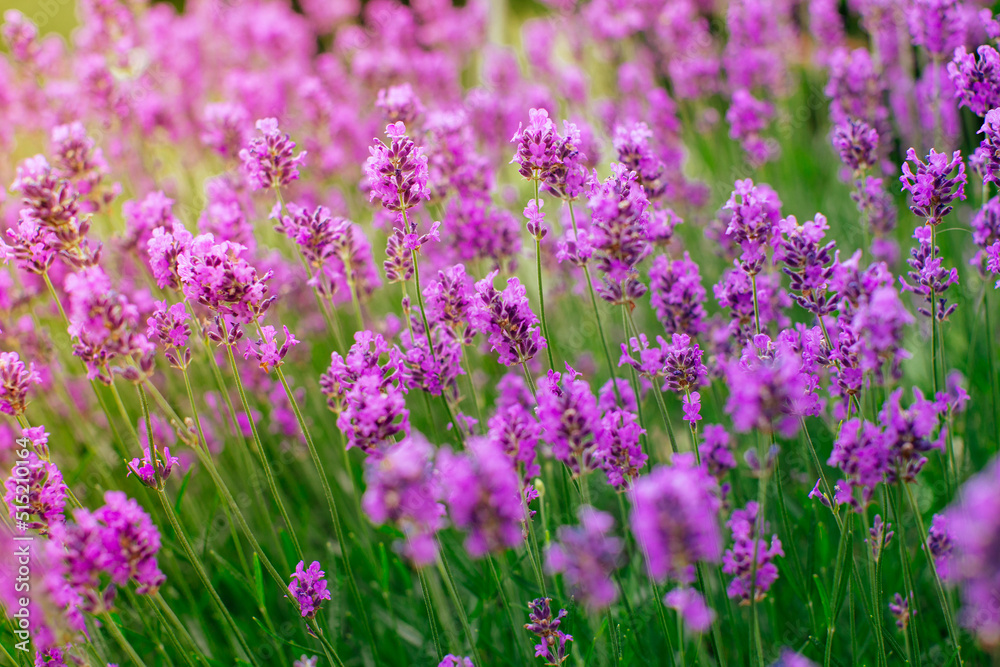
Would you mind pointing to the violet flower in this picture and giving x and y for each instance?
(268, 160)
(507, 320)
(690, 604)
(739, 559)
(570, 421)
(16, 379)
(587, 555)
(308, 587)
(976, 79)
(551, 640)
(677, 295)
(674, 513)
(36, 494)
(862, 454)
(397, 171)
(935, 185)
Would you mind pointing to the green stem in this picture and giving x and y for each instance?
(541, 293)
(425, 594)
(116, 632)
(265, 464)
(445, 570)
(331, 504)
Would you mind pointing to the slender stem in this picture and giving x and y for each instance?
(756, 306)
(445, 570)
(331, 504)
(425, 594)
(876, 606)
(116, 632)
(541, 292)
(666, 418)
(265, 464)
(472, 387)
(203, 575)
(994, 393)
(328, 650)
(505, 602)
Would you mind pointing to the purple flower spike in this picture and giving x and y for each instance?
(587, 555)
(933, 187)
(674, 510)
(551, 640)
(989, 149)
(268, 159)
(857, 143)
(397, 171)
(739, 560)
(308, 587)
(976, 79)
(507, 320)
(16, 379)
(36, 493)
(690, 604)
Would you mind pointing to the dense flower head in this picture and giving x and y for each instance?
(878, 318)
(928, 277)
(16, 379)
(862, 454)
(940, 545)
(748, 546)
(543, 624)
(619, 209)
(104, 325)
(935, 185)
(399, 104)
(514, 427)
(769, 388)
(936, 25)
(397, 171)
(900, 610)
(168, 327)
(166, 244)
(507, 320)
(908, 432)
(674, 510)
(989, 149)
(309, 588)
(36, 493)
(985, 227)
(619, 451)
(20, 35)
(224, 128)
(76, 157)
(753, 225)
(483, 496)
(691, 606)
(402, 490)
(587, 555)
(677, 295)
(538, 146)
(973, 521)
(716, 449)
(365, 393)
(455, 661)
(269, 160)
(807, 262)
(320, 238)
(856, 89)
(117, 542)
(747, 117)
(976, 79)
(430, 363)
(857, 143)
(568, 178)
(570, 421)
(449, 302)
(216, 275)
(632, 144)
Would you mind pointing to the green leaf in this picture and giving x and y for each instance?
(183, 489)
(258, 579)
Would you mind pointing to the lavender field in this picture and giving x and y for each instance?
(488, 333)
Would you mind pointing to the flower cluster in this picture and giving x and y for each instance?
(269, 160)
(308, 588)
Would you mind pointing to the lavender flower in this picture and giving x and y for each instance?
(619, 451)
(268, 160)
(223, 128)
(769, 388)
(320, 238)
(551, 640)
(154, 468)
(168, 327)
(455, 661)
(308, 587)
(989, 149)
(933, 187)
(790, 658)
(366, 394)
(674, 510)
(976, 80)
(880, 535)
(857, 143)
(483, 496)
(862, 454)
(908, 433)
(570, 421)
(973, 521)
(215, 275)
(618, 234)
(266, 351)
(939, 543)
(507, 320)
(739, 560)
(900, 609)
(397, 171)
(399, 104)
(634, 152)
(538, 145)
(930, 279)
(756, 211)
(677, 295)
(403, 490)
(16, 379)
(36, 494)
(587, 556)
(690, 604)
(807, 263)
